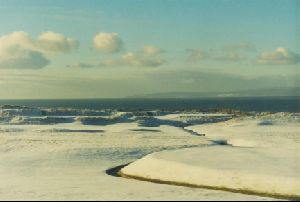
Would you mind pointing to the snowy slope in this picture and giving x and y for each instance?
(262, 157)
(68, 162)
(63, 154)
(259, 171)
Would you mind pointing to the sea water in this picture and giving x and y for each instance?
(259, 104)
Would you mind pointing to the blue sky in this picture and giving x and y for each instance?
(117, 48)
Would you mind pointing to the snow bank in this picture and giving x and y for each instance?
(255, 154)
(102, 120)
(46, 166)
(37, 116)
(277, 130)
(195, 118)
(27, 120)
(181, 119)
(266, 171)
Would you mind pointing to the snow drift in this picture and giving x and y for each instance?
(256, 154)
(249, 170)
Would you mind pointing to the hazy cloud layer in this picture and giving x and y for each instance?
(243, 46)
(183, 81)
(24, 59)
(197, 54)
(231, 53)
(131, 84)
(242, 51)
(108, 42)
(81, 65)
(20, 51)
(230, 56)
(281, 56)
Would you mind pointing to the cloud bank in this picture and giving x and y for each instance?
(23, 59)
(19, 50)
(111, 43)
(281, 56)
(242, 51)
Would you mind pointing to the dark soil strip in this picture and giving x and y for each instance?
(192, 132)
(84, 131)
(248, 192)
(116, 172)
(145, 130)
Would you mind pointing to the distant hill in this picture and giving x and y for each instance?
(247, 93)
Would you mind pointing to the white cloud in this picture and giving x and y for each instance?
(51, 42)
(281, 56)
(141, 60)
(150, 50)
(48, 42)
(20, 51)
(108, 42)
(149, 56)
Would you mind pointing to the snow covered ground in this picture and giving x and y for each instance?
(262, 157)
(280, 130)
(54, 159)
